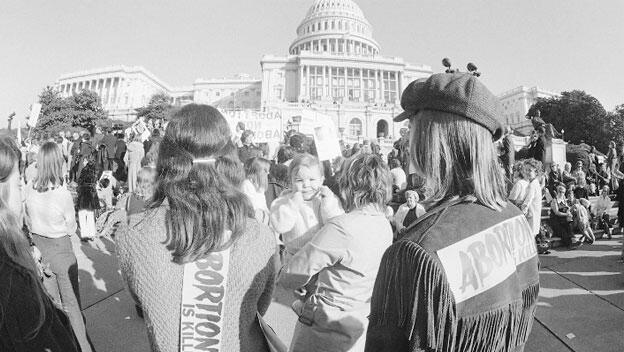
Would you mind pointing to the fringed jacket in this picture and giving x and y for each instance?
(464, 278)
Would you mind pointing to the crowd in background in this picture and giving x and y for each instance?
(368, 243)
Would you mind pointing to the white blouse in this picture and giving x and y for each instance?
(51, 213)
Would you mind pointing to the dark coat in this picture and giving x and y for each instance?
(20, 311)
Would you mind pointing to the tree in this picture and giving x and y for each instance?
(616, 124)
(87, 109)
(81, 110)
(581, 115)
(158, 108)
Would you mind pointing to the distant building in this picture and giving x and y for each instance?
(121, 89)
(516, 103)
(334, 67)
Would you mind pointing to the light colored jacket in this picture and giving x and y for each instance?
(340, 266)
(298, 222)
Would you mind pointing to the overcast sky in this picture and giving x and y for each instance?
(555, 44)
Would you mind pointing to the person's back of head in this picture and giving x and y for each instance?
(365, 180)
(297, 142)
(279, 174)
(204, 206)
(285, 153)
(453, 124)
(49, 167)
(257, 171)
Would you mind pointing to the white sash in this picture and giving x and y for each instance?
(203, 302)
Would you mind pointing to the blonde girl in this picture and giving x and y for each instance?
(301, 211)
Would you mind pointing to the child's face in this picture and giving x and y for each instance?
(308, 181)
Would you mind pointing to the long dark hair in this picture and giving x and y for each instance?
(203, 204)
(13, 243)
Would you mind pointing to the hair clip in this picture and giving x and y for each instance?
(204, 160)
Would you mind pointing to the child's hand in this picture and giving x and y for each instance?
(330, 205)
(297, 198)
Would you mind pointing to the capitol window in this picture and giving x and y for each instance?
(338, 82)
(316, 82)
(355, 127)
(353, 84)
(389, 85)
(368, 80)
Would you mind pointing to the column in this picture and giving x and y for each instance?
(329, 85)
(361, 84)
(324, 84)
(300, 83)
(396, 84)
(381, 86)
(308, 93)
(346, 86)
(115, 89)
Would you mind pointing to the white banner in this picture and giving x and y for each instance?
(203, 302)
(35, 110)
(485, 259)
(267, 127)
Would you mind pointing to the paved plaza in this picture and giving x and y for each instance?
(581, 305)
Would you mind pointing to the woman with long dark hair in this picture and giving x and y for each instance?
(199, 220)
(52, 220)
(29, 321)
(465, 276)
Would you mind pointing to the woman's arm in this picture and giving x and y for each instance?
(327, 247)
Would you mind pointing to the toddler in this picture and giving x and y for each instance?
(298, 213)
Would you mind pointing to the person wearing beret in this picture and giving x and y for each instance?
(465, 275)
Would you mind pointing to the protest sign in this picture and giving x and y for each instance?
(35, 110)
(326, 141)
(266, 126)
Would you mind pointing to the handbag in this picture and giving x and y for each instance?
(273, 341)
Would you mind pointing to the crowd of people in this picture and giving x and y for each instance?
(427, 248)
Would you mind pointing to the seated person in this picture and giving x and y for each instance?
(408, 212)
(602, 217)
(592, 190)
(581, 220)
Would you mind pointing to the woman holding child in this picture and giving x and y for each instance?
(335, 269)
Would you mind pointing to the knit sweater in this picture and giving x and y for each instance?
(156, 281)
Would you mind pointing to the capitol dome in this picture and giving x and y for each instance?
(335, 27)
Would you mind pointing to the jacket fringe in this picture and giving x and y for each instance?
(415, 297)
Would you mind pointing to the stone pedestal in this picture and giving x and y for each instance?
(555, 153)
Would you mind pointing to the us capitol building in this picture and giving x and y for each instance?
(333, 68)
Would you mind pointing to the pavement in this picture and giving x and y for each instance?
(581, 305)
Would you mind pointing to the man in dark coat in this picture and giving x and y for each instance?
(110, 141)
(508, 154)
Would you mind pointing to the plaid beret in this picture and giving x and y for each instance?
(461, 94)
